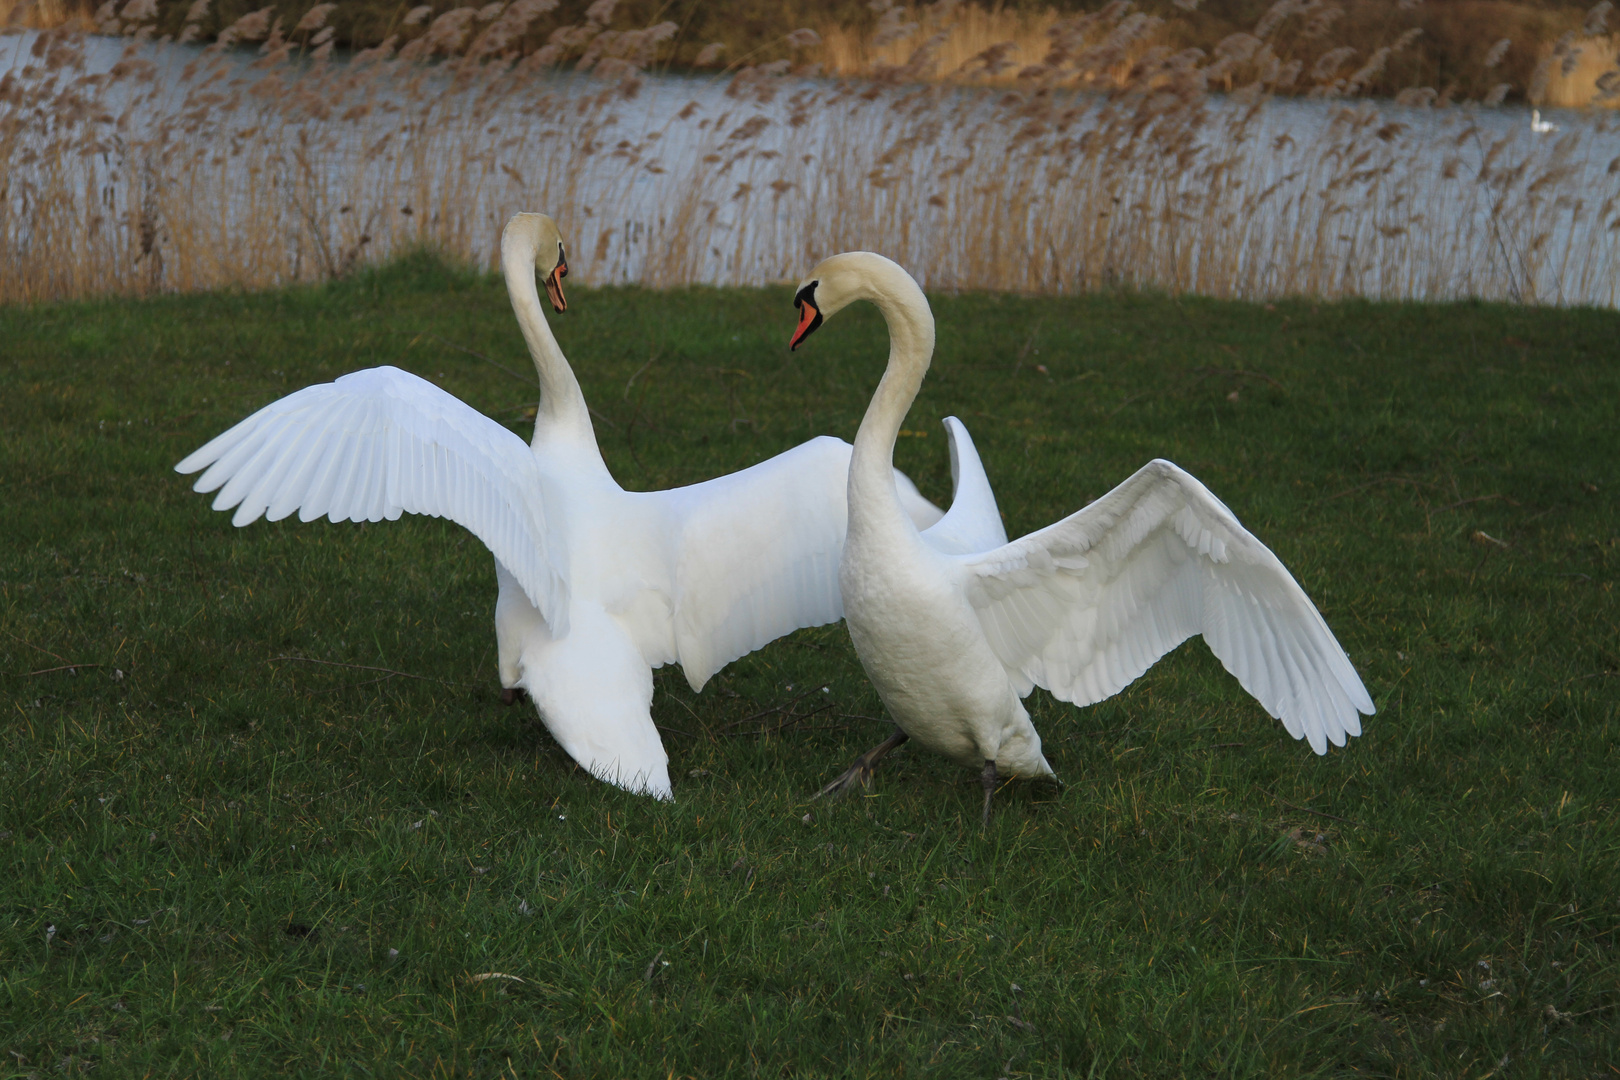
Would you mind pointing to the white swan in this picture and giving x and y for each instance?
(1540, 126)
(953, 633)
(597, 585)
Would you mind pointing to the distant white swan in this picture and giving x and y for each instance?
(954, 627)
(597, 585)
(1540, 126)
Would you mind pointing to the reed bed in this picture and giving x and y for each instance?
(143, 166)
(1576, 85)
(1021, 35)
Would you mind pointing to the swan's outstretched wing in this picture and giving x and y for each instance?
(379, 443)
(755, 553)
(1084, 606)
(973, 523)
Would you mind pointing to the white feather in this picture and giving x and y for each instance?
(1140, 540)
(406, 430)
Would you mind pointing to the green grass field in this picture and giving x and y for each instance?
(221, 861)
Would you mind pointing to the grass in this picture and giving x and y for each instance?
(211, 855)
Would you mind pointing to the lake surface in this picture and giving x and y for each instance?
(295, 171)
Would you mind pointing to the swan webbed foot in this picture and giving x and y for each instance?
(988, 779)
(860, 770)
(511, 695)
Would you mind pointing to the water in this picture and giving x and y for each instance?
(286, 173)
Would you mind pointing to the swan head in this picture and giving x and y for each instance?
(535, 236)
(837, 282)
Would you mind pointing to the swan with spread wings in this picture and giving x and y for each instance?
(955, 625)
(596, 585)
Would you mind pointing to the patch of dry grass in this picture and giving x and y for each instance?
(1581, 82)
(1021, 35)
(1456, 34)
(43, 14)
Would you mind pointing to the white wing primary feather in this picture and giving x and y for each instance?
(382, 442)
(1085, 606)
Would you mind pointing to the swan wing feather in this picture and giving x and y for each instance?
(381, 442)
(973, 522)
(1086, 605)
(756, 552)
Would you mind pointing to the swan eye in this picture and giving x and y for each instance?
(562, 261)
(806, 295)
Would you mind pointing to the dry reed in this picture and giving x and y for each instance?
(1106, 160)
(1022, 37)
(43, 14)
(1581, 83)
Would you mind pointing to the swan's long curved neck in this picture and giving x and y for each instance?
(911, 348)
(563, 415)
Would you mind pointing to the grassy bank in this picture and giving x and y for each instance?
(219, 860)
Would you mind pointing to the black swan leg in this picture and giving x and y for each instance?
(860, 770)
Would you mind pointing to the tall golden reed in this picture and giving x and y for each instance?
(1104, 160)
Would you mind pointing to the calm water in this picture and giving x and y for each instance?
(628, 179)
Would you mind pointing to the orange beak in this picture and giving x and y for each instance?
(554, 284)
(809, 319)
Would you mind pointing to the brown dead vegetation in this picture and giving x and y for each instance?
(1113, 159)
